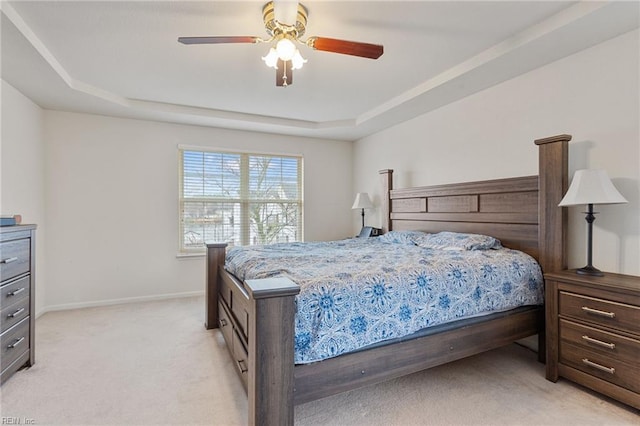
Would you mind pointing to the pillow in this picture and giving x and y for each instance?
(401, 237)
(457, 241)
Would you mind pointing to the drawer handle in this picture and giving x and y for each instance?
(16, 313)
(599, 312)
(16, 343)
(8, 260)
(223, 322)
(242, 365)
(609, 370)
(599, 342)
(16, 292)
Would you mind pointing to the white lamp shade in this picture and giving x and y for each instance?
(362, 201)
(271, 59)
(297, 61)
(591, 186)
(286, 49)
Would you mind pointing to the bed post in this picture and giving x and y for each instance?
(553, 179)
(215, 259)
(386, 177)
(552, 221)
(271, 350)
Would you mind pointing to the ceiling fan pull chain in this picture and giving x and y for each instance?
(284, 75)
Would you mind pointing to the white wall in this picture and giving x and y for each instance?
(22, 171)
(112, 203)
(593, 95)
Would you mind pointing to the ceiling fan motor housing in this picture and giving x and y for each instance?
(276, 28)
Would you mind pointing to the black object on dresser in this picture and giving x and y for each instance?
(593, 332)
(17, 306)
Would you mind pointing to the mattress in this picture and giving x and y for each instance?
(362, 291)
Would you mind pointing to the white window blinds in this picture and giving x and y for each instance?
(239, 198)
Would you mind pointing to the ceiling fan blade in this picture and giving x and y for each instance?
(284, 73)
(217, 40)
(354, 48)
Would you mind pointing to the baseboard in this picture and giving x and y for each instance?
(108, 302)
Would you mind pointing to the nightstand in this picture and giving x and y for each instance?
(593, 332)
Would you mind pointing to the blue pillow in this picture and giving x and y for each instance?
(457, 241)
(401, 237)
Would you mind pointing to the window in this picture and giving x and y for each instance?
(238, 198)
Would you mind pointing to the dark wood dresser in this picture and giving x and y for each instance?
(17, 307)
(593, 332)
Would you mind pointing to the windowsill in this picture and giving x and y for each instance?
(182, 256)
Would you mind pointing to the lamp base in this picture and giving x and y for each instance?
(590, 270)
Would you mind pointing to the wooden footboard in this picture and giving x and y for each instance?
(257, 317)
(257, 321)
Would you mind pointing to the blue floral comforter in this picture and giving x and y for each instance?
(358, 292)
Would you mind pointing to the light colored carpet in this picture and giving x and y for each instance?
(154, 363)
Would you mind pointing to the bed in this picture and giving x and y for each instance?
(257, 316)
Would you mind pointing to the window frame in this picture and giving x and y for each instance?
(243, 201)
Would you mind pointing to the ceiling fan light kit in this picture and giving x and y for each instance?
(285, 57)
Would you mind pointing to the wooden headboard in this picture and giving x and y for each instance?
(522, 212)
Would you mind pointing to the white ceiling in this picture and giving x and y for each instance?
(122, 58)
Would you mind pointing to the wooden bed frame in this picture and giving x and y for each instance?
(257, 317)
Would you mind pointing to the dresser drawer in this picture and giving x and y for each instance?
(601, 312)
(607, 344)
(595, 364)
(14, 258)
(12, 292)
(13, 314)
(14, 342)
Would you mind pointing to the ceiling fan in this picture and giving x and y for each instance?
(285, 22)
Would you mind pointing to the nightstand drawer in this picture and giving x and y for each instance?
(601, 312)
(607, 368)
(607, 344)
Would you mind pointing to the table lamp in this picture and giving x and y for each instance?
(591, 186)
(362, 201)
